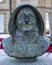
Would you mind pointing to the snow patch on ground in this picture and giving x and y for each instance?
(45, 59)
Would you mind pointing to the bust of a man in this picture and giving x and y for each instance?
(26, 28)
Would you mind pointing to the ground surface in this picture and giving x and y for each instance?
(43, 60)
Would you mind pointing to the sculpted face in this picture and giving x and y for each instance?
(26, 19)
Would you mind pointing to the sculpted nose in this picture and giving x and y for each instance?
(26, 19)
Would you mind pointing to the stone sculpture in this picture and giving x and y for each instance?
(26, 28)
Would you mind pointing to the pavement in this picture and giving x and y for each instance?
(45, 59)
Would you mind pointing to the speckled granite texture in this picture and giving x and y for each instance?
(26, 28)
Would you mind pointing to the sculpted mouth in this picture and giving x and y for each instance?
(27, 27)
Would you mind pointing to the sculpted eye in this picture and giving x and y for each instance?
(25, 14)
(20, 18)
(33, 20)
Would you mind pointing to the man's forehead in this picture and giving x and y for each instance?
(26, 10)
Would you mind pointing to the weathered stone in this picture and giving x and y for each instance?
(23, 49)
(26, 32)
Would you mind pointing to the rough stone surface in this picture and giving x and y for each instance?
(22, 49)
(25, 42)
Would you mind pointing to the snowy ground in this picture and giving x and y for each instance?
(4, 35)
(42, 60)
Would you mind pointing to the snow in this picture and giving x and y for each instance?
(4, 35)
(45, 59)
